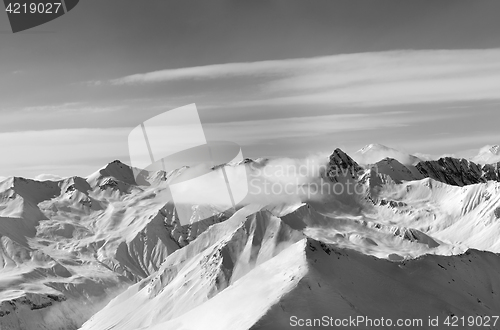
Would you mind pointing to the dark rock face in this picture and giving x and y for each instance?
(32, 301)
(110, 183)
(452, 171)
(492, 172)
(342, 165)
(458, 172)
(449, 170)
(497, 212)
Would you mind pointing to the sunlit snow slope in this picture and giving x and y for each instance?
(386, 238)
(68, 247)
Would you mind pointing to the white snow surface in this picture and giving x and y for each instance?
(489, 154)
(104, 252)
(373, 153)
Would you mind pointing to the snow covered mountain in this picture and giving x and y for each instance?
(374, 153)
(459, 172)
(488, 155)
(452, 171)
(69, 246)
(108, 251)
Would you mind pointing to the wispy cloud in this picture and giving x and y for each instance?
(48, 177)
(70, 147)
(365, 79)
(217, 71)
(74, 107)
(258, 131)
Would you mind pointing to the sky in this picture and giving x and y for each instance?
(279, 78)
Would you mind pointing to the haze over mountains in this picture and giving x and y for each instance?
(488, 155)
(103, 252)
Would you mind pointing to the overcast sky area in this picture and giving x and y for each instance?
(280, 78)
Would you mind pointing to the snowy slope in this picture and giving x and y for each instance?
(374, 153)
(113, 244)
(488, 155)
(342, 284)
(311, 279)
(398, 172)
(67, 247)
(410, 235)
(218, 258)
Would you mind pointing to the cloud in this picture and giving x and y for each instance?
(48, 177)
(271, 182)
(287, 99)
(260, 131)
(228, 70)
(488, 154)
(73, 107)
(374, 153)
(364, 79)
(396, 92)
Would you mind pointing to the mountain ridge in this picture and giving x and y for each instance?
(109, 233)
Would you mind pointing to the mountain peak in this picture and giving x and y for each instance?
(116, 162)
(32, 190)
(340, 162)
(374, 146)
(117, 170)
(375, 152)
(495, 149)
(488, 154)
(341, 158)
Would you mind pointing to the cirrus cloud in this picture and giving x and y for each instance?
(364, 79)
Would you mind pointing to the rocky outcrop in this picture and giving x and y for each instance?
(341, 165)
(458, 172)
